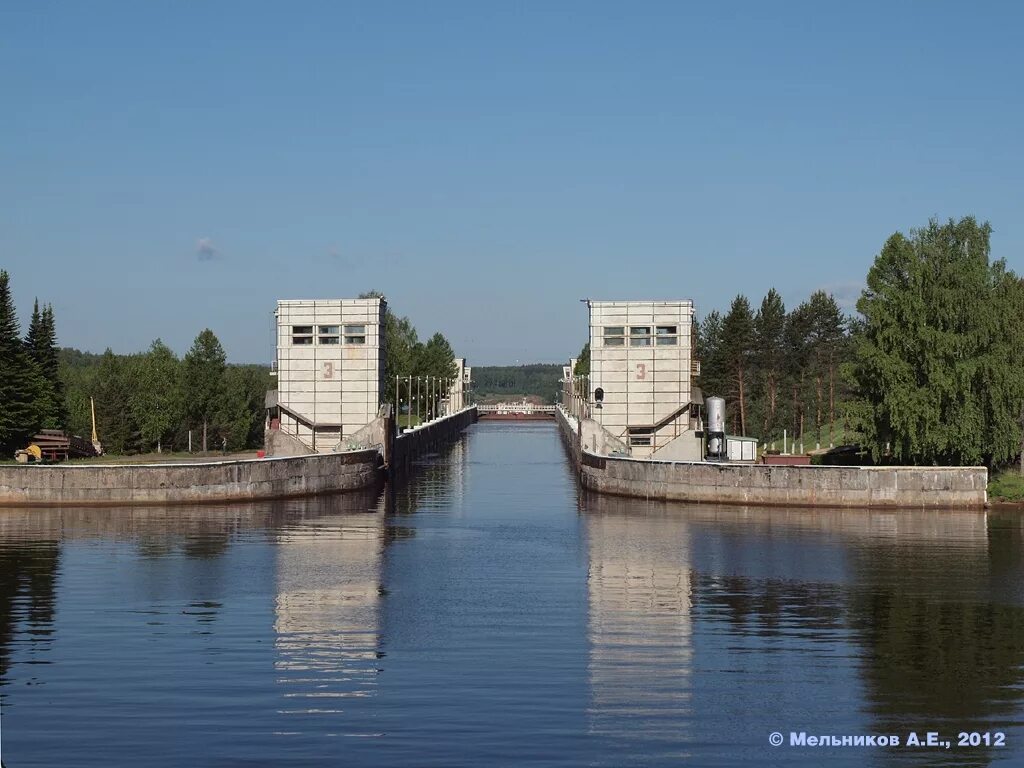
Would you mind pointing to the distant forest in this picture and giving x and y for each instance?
(493, 383)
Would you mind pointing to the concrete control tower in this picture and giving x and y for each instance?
(330, 367)
(641, 376)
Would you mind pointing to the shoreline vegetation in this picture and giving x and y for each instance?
(929, 371)
(1007, 487)
(154, 402)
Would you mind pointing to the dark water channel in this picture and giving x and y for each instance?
(486, 613)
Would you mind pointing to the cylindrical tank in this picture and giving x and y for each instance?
(715, 428)
(716, 414)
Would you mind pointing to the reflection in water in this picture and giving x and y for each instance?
(930, 605)
(942, 628)
(327, 607)
(435, 481)
(520, 627)
(28, 578)
(638, 584)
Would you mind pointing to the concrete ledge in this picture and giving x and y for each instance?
(421, 439)
(761, 484)
(202, 482)
(188, 483)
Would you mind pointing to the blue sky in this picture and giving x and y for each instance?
(165, 167)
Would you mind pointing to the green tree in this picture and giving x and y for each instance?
(737, 350)
(827, 337)
(400, 342)
(239, 416)
(436, 359)
(713, 374)
(939, 361)
(24, 398)
(41, 344)
(583, 362)
(117, 429)
(156, 395)
(768, 358)
(204, 369)
(796, 362)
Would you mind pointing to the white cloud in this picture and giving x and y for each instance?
(205, 249)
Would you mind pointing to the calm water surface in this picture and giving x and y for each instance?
(488, 613)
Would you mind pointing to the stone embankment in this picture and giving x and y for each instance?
(83, 484)
(760, 484)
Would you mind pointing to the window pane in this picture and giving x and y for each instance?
(302, 339)
(355, 339)
(330, 340)
(614, 330)
(329, 330)
(302, 329)
(639, 341)
(666, 330)
(642, 330)
(667, 341)
(614, 341)
(355, 329)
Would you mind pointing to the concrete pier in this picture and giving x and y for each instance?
(72, 484)
(760, 484)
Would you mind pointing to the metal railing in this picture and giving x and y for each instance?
(515, 408)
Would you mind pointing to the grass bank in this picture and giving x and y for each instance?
(1008, 485)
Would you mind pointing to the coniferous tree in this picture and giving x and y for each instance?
(737, 348)
(712, 377)
(23, 395)
(796, 357)
(41, 345)
(825, 340)
(50, 364)
(769, 338)
(114, 423)
(204, 381)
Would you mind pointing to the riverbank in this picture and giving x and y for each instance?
(233, 479)
(771, 485)
(194, 482)
(1007, 489)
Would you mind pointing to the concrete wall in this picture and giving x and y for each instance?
(175, 483)
(328, 372)
(820, 486)
(55, 485)
(426, 437)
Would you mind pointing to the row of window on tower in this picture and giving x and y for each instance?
(329, 334)
(641, 335)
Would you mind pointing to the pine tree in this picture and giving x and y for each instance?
(50, 364)
(826, 338)
(204, 381)
(796, 357)
(114, 423)
(712, 377)
(41, 345)
(769, 338)
(22, 392)
(737, 348)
